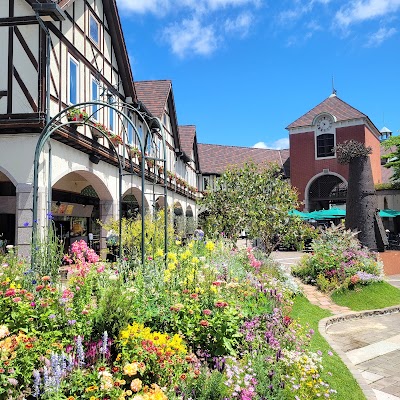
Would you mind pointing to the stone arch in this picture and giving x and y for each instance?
(132, 202)
(160, 203)
(324, 189)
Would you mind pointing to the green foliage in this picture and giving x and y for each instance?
(49, 254)
(393, 157)
(132, 233)
(338, 260)
(255, 200)
(351, 149)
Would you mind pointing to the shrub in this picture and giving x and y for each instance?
(337, 256)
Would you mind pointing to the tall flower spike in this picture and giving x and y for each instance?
(80, 352)
(36, 383)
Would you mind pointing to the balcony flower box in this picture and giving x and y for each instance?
(77, 116)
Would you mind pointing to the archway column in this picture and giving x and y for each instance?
(23, 217)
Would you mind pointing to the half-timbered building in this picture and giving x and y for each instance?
(56, 55)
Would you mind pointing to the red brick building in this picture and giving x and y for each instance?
(314, 170)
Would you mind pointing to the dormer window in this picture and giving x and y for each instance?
(94, 30)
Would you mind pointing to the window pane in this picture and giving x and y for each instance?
(93, 29)
(130, 133)
(95, 97)
(325, 144)
(73, 82)
(112, 116)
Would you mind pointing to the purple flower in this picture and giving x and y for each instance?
(52, 316)
(71, 321)
(26, 224)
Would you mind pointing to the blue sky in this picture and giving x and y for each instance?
(243, 70)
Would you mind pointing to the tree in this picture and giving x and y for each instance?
(393, 158)
(361, 201)
(258, 200)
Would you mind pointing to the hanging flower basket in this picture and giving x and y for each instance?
(160, 169)
(134, 151)
(77, 116)
(97, 129)
(150, 163)
(115, 139)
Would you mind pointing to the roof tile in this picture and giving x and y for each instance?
(333, 105)
(154, 95)
(215, 159)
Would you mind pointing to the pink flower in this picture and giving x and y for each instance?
(16, 299)
(9, 292)
(100, 269)
(207, 312)
(203, 322)
(221, 304)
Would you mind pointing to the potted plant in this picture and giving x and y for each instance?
(160, 169)
(149, 162)
(77, 116)
(115, 139)
(97, 128)
(170, 175)
(134, 151)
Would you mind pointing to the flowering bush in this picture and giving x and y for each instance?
(336, 260)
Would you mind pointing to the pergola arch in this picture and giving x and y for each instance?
(61, 119)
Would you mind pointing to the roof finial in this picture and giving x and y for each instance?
(334, 91)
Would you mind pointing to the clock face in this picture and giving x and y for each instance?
(324, 124)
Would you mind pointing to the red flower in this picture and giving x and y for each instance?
(39, 288)
(203, 322)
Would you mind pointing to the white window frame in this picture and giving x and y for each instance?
(95, 108)
(76, 62)
(94, 19)
(331, 132)
(111, 116)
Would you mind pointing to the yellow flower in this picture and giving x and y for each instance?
(178, 242)
(195, 260)
(172, 257)
(210, 246)
(12, 285)
(159, 253)
(91, 388)
(131, 369)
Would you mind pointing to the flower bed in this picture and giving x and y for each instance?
(339, 262)
(210, 324)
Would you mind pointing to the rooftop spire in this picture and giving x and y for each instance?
(333, 88)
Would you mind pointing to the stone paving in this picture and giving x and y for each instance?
(368, 344)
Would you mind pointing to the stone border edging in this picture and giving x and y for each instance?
(325, 323)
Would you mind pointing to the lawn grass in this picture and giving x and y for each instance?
(370, 297)
(341, 379)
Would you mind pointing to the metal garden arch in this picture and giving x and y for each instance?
(58, 121)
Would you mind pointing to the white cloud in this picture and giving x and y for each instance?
(277, 145)
(301, 8)
(164, 6)
(147, 6)
(362, 10)
(380, 36)
(191, 36)
(239, 25)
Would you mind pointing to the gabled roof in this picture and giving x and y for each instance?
(154, 95)
(187, 135)
(216, 159)
(332, 105)
(117, 37)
